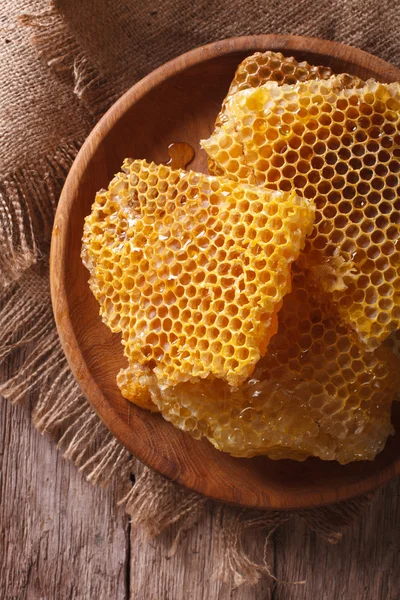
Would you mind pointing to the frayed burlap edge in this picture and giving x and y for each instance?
(28, 199)
(54, 45)
(28, 338)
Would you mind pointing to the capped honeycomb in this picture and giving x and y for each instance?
(261, 67)
(191, 270)
(315, 393)
(340, 147)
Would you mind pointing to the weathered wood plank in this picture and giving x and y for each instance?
(364, 565)
(188, 574)
(61, 538)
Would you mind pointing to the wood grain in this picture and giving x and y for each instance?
(178, 103)
(189, 573)
(61, 538)
(364, 565)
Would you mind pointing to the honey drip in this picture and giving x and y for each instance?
(180, 155)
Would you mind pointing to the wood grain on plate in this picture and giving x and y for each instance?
(178, 103)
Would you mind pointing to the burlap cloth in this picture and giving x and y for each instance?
(61, 66)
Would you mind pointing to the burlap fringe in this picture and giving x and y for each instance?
(27, 326)
(235, 563)
(329, 522)
(28, 199)
(155, 504)
(54, 44)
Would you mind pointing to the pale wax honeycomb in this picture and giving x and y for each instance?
(191, 270)
(261, 67)
(257, 69)
(340, 147)
(315, 393)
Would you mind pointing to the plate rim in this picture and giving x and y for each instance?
(65, 327)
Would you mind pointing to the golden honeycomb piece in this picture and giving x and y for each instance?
(315, 393)
(340, 147)
(261, 67)
(192, 270)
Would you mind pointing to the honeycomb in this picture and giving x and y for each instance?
(261, 67)
(191, 270)
(257, 69)
(315, 393)
(339, 146)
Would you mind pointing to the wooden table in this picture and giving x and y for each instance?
(61, 538)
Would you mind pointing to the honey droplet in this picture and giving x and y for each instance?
(180, 155)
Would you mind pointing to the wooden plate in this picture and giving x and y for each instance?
(179, 102)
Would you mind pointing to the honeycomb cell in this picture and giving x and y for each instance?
(153, 271)
(315, 393)
(353, 185)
